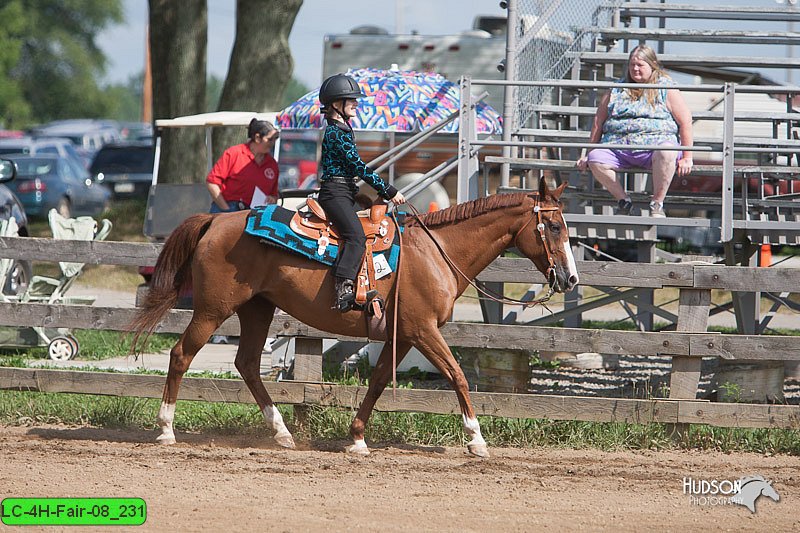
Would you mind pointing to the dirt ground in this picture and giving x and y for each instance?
(221, 483)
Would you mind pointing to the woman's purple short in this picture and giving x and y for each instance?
(619, 159)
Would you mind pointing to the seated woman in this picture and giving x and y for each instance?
(644, 117)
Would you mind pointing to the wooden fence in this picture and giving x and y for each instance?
(686, 346)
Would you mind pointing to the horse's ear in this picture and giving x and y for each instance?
(557, 193)
(544, 190)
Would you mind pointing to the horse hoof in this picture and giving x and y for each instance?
(285, 441)
(358, 449)
(165, 439)
(478, 450)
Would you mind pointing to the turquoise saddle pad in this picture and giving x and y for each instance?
(271, 223)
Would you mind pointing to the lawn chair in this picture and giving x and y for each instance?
(43, 289)
(61, 345)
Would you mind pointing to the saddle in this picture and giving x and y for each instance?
(378, 229)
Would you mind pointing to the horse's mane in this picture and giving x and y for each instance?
(467, 210)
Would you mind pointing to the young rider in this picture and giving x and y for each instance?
(341, 168)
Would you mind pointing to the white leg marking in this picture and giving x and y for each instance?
(573, 270)
(275, 421)
(165, 417)
(359, 447)
(477, 446)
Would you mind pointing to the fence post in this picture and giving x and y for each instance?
(684, 379)
(307, 367)
(467, 156)
(646, 252)
(727, 162)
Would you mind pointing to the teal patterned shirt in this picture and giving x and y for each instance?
(340, 158)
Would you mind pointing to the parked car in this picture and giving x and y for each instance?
(45, 182)
(297, 160)
(10, 207)
(88, 134)
(39, 146)
(125, 168)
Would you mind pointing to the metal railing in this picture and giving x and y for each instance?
(471, 145)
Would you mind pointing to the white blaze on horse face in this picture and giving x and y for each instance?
(473, 429)
(275, 420)
(166, 415)
(573, 270)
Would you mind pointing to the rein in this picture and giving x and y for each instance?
(537, 214)
(396, 303)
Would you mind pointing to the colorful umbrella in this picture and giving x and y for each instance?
(397, 100)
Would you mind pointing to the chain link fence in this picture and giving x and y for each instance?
(549, 33)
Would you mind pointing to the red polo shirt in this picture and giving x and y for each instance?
(237, 174)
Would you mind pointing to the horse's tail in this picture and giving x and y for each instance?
(171, 276)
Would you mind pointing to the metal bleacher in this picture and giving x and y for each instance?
(766, 127)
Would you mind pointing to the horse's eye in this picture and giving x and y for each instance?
(555, 227)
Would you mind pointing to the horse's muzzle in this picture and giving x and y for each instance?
(561, 280)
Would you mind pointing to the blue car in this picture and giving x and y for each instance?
(45, 182)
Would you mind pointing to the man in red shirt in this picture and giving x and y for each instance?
(246, 175)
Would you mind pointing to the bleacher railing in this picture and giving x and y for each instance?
(470, 145)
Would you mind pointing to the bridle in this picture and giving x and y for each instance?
(537, 214)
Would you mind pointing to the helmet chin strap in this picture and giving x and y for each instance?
(341, 113)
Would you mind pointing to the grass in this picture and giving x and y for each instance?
(95, 345)
(420, 429)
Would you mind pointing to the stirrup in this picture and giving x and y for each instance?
(371, 294)
(343, 305)
(345, 294)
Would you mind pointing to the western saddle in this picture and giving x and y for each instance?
(378, 230)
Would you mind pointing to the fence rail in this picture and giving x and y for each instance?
(686, 346)
(460, 334)
(512, 270)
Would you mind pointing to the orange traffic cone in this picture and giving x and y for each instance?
(433, 206)
(765, 258)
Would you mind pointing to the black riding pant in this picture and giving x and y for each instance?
(339, 202)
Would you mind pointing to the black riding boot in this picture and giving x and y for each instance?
(345, 294)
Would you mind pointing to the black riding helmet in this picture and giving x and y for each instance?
(339, 87)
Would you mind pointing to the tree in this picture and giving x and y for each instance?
(261, 62)
(49, 60)
(15, 110)
(178, 41)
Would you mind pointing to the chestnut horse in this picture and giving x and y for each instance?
(232, 272)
